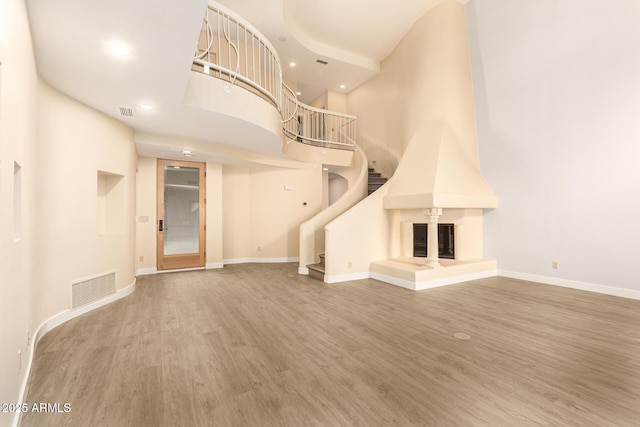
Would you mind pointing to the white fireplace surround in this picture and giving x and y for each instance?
(415, 273)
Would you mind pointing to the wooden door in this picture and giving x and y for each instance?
(181, 215)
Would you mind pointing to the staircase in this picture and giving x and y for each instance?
(317, 270)
(375, 180)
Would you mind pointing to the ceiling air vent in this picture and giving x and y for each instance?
(126, 112)
(320, 61)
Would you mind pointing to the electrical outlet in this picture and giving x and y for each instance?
(259, 249)
(349, 264)
(555, 265)
(141, 258)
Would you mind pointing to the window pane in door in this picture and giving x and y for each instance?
(181, 210)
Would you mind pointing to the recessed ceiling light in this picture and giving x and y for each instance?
(298, 93)
(147, 107)
(119, 49)
(342, 86)
(325, 169)
(187, 153)
(292, 64)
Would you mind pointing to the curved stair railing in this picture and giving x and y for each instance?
(230, 48)
(381, 157)
(315, 126)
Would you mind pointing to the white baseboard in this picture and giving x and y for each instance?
(457, 279)
(260, 260)
(346, 277)
(214, 265)
(57, 320)
(145, 271)
(178, 270)
(573, 284)
(428, 284)
(407, 284)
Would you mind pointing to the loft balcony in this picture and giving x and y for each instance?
(234, 52)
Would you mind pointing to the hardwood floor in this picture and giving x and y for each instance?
(259, 345)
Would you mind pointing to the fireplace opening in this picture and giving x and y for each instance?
(446, 247)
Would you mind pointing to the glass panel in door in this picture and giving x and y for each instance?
(180, 214)
(181, 210)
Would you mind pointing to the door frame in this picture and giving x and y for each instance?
(178, 261)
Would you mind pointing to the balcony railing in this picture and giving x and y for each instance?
(316, 126)
(230, 48)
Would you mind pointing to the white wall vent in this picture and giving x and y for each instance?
(90, 290)
(126, 112)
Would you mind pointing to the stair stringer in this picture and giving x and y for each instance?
(312, 234)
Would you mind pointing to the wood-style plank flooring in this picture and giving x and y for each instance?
(259, 345)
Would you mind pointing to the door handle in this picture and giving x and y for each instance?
(160, 225)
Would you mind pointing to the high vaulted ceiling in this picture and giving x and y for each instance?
(352, 36)
(72, 38)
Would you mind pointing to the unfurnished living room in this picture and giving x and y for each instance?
(319, 213)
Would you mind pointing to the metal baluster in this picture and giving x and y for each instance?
(218, 59)
(246, 54)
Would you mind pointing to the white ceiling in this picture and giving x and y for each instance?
(71, 39)
(371, 29)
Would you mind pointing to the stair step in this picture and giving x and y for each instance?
(377, 180)
(316, 271)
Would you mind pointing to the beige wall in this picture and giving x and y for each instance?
(369, 228)
(247, 208)
(337, 186)
(320, 102)
(337, 101)
(61, 146)
(332, 101)
(146, 207)
(420, 105)
(260, 218)
(214, 215)
(236, 215)
(18, 112)
(75, 142)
